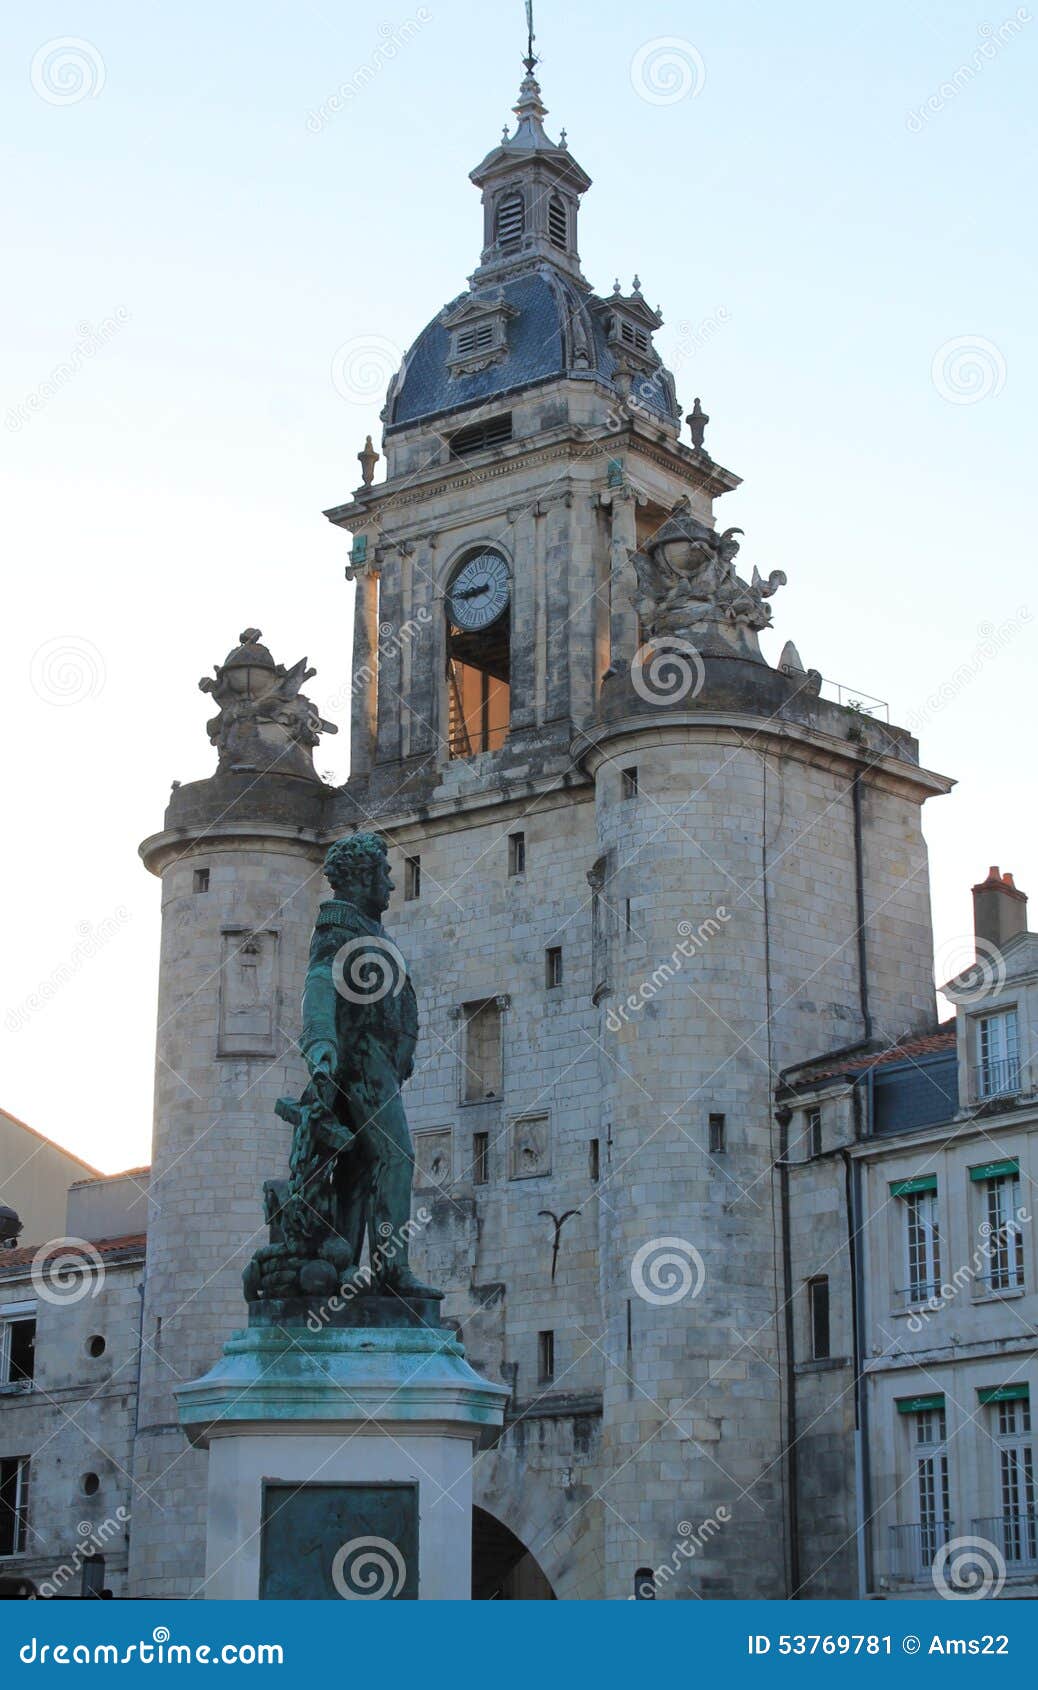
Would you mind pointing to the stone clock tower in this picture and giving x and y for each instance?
(641, 869)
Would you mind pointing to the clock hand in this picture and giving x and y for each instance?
(472, 592)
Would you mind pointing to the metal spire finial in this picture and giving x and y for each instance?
(531, 57)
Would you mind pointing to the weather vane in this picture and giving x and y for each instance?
(531, 57)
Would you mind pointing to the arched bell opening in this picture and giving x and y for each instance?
(478, 611)
(503, 1570)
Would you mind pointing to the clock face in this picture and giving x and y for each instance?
(479, 592)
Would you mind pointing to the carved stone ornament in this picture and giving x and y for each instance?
(687, 588)
(265, 723)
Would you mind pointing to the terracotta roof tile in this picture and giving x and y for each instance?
(131, 1242)
(924, 1044)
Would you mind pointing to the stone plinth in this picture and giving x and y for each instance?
(340, 1460)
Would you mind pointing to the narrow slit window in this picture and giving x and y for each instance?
(517, 853)
(545, 1357)
(814, 1132)
(818, 1304)
(553, 966)
(629, 783)
(717, 1134)
(594, 1161)
(412, 877)
(480, 1158)
(200, 880)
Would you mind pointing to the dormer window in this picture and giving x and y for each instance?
(510, 222)
(632, 336)
(478, 330)
(474, 339)
(558, 223)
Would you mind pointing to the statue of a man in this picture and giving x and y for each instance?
(352, 1162)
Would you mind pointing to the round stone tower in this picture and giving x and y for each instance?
(240, 862)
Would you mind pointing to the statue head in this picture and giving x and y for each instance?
(357, 869)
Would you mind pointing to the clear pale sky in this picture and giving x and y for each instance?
(870, 372)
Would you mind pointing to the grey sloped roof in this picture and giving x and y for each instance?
(539, 347)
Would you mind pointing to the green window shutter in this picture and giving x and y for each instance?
(1005, 1393)
(996, 1170)
(919, 1405)
(906, 1187)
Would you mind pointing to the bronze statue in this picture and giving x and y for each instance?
(351, 1163)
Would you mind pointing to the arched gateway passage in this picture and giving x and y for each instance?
(503, 1569)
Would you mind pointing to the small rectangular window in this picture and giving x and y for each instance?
(200, 881)
(717, 1137)
(629, 783)
(412, 877)
(14, 1504)
(545, 1357)
(997, 1073)
(480, 1158)
(481, 1053)
(517, 853)
(814, 1132)
(553, 966)
(818, 1300)
(627, 915)
(593, 1160)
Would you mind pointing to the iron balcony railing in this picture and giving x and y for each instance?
(1015, 1536)
(995, 1079)
(912, 1549)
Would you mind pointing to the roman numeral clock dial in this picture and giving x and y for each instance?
(479, 592)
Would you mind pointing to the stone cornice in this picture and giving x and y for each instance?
(159, 850)
(593, 746)
(447, 481)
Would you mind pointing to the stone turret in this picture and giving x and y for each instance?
(239, 859)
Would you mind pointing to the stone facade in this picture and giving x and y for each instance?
(683, 922)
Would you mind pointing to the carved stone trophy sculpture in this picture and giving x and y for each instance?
(687, 589)
(265, 722)
(351, 1163)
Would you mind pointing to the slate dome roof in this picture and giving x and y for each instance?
(559, 329)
